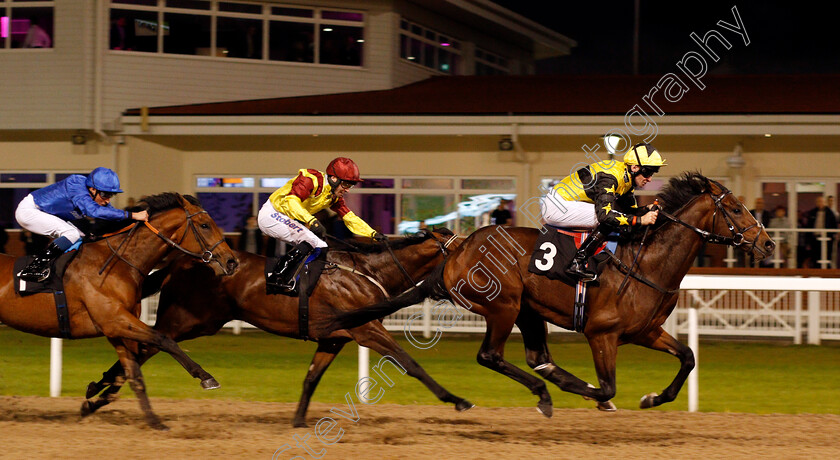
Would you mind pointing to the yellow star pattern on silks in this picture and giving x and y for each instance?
(611, 189)
(622, 220)
(607, 208)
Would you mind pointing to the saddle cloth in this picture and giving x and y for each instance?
(311, 272)
(54, 283)
(555, 249)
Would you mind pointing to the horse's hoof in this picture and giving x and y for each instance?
(648, 401)
(210, 384)
(463, 405)
(607, 406)
(299, 424)
(86, 408)
(159, 426)
(92, 390)
(545, 408)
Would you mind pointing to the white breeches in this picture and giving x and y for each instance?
(280, 226)
(558, 212)
(36, 221)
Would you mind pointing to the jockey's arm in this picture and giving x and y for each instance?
(607, 207)
(291, 206)
(353, 222)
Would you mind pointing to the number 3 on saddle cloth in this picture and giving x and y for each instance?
(552, 254)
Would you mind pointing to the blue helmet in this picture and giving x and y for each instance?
(104, 179)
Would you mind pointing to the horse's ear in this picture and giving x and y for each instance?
(700, 183)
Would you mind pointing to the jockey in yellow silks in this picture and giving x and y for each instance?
(600, 197)
(287, 215)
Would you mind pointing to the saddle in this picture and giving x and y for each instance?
(54, 283)
(555, 249)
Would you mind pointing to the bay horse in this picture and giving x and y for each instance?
(102, 286)
(694, 210)
(193, 303)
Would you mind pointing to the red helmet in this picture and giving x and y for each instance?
(344, 169)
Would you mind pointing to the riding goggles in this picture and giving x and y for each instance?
(648, 171)
(106, 195)
(347, 184)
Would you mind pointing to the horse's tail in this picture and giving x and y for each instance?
(431, 287)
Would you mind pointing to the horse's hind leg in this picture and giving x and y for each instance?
(534, 336)
(138, 385)
(374, 336)
(111, 382)
(491, 355)
(324, 356)
(662, 341)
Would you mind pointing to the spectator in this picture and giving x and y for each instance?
(501, 215)
(759, 212)
(251, 238)
(818, 217)
(785, 239)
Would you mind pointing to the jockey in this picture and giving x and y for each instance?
(600, 197)
(47, 210)
(288, 215)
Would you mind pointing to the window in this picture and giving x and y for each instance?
(14, 186)
(240, 30)
(391, 205)
(430, 49)
(26, 24)
(487, 63)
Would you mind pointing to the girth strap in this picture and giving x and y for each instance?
(63, 314)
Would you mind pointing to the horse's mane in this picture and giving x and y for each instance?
(394, 243)
(678, 192)
(164, 202)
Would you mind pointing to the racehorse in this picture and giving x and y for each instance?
(193, 303)
(694, 210)
(102, 286)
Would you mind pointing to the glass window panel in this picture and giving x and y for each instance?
(31, 27)
(189, 4)
(431, 35)
(416, 30)
(415, 50)
(208, 182)
(446, 61)
(428, 55)
(22, 177)
(229, 210)
(291, 41)
(240, 7)
(377, 209)
(428, 183)
(137, 2)
(238, 182)
(239, 38)
(488, 184)
(376, 183)
(424, 207)
(340, 45)
(274, 182)
(133, 30)
(9, 200)
(186, 34)
(294, 12)
(342, 16)
(404, 46)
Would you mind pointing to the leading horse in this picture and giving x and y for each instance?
(102, 286)
(193, 303)
(498, 285)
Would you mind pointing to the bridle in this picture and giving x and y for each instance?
(737, 238)
(206, 255)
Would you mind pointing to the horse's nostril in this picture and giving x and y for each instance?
(770, 245)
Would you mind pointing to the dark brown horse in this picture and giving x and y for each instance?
(489, 275)
(102, 286)
(194, 303)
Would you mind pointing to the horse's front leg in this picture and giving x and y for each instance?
(662, 341)
(111, 382)
(324, 356)
(604, 349)
(138, 385)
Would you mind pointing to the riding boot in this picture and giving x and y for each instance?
(283, 274)
(578, 269)
(39, 269)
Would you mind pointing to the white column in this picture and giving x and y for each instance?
(55, 367)
(364, 366)
(694, 344)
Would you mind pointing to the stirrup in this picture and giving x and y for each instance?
(578, 271)
(37, 277)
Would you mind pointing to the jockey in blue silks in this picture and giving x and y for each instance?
(47, 211)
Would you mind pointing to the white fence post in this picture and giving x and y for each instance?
(813, 318)
(694, 344)
(55, 367)
(364, 365)
(797, 312)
